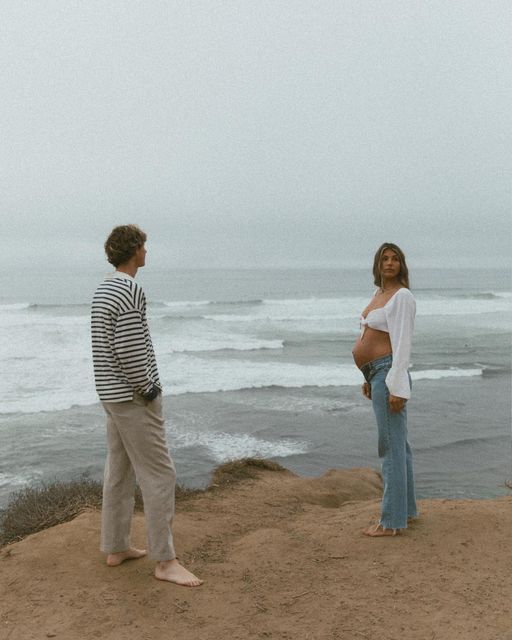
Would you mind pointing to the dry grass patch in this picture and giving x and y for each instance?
(243, 469)
(33, 509)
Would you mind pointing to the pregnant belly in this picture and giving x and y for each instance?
(372, 345)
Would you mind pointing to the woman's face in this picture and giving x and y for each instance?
(390, 264)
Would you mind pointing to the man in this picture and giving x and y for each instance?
(128, 385)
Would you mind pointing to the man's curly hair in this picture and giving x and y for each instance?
(123, 242)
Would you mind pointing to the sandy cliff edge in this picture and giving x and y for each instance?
(282, 557)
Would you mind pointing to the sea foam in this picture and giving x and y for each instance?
(228, 446)
(216, 346)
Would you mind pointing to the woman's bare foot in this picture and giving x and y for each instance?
(172, 571)
(115, 559)
(378, 531)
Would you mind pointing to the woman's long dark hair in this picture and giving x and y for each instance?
(403, 275)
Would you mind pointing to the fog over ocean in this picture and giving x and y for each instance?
(258, 363)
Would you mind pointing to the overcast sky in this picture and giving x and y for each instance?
(256, 133)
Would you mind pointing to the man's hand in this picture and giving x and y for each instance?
(367, 390)
(396, 404)
(152, 393)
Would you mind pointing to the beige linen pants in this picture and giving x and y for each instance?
(137, 449)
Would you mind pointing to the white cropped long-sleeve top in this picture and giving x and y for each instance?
(396, 317)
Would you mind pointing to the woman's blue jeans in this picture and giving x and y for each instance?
(398, 500)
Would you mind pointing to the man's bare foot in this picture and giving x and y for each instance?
(172, 571)
(115, 559)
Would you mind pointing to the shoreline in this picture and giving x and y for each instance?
(308, 430)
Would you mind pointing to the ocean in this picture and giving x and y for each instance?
(258, 363)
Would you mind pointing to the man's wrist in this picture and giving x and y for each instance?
(153, 393)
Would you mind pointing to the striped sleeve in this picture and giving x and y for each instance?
(132, 350)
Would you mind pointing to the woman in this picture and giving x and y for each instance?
(382, 352)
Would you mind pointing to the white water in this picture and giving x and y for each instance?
(204, 346)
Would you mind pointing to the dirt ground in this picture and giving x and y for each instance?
(282, 557)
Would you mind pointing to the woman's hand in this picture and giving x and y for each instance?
(367, 390)
(396, 404)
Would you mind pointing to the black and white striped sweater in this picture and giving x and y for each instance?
(123, 356)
